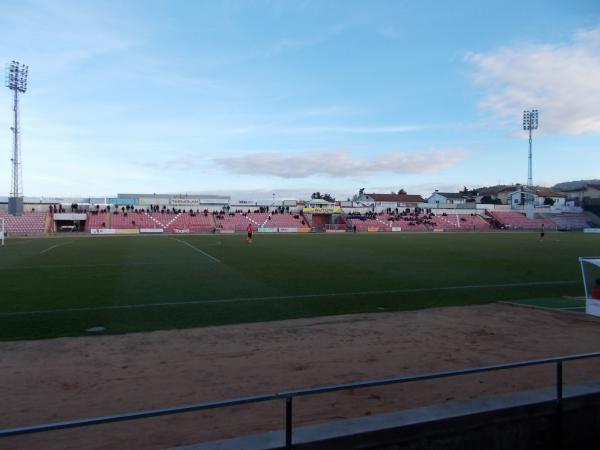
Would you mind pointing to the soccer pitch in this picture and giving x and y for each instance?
(61, 287)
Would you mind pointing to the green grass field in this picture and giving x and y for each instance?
(61, 287)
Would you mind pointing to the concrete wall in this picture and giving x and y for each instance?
(520, 421)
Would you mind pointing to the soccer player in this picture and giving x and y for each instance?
(542, 233)
(249, 237)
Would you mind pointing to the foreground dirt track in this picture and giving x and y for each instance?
(67, 378)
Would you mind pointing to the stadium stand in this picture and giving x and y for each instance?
(285, 220)
(97, 220)
(518, 221)
(409, 222)
(162, 219)
(232, 221)
(196, 222)
(132, 220)
(258, 219)
(363, 223)
(571, 221)
(28, 223)
(461, 222)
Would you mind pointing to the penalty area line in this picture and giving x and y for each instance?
(197, 249)
(284, 297)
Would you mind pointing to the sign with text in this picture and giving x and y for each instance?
(184, 201)
(102, 231)
(267, 230)
(122, 201)
(324, 210)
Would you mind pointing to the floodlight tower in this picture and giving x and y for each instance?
(530, 123)
(16, 80)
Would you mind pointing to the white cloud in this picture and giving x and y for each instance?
(561, 80)
(340, 163)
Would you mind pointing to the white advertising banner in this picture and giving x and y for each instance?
(151, 230)
(288, 230)
(70, 216)
(267, 230)
(103, 231)
(591, 230)
(127, 231)
(181, 230)
(396, 228)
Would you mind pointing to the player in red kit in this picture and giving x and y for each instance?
(249, 237)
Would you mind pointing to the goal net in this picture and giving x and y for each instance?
(590, 270)
(2, 230)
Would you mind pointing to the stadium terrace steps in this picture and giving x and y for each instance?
(386, 224)
(196, 223)
(461, 222)
(132, 220)
(364, 223)
(48, 223)
(572, 221)
(284, 220)
(28, 223)
(466, 222)
(517, 220)
(232, 222)
(164, 221)
(258, 219)
(96, 220)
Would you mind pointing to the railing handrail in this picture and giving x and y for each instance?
(288, 395)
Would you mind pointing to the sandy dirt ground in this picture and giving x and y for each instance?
(66, 378)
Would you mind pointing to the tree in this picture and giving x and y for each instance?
(401, 192)
(549, 201)
(318, 195)
(487, 200)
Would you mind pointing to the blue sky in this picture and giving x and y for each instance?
(253, 97)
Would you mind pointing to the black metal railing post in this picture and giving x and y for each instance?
(288, 423)
(559, 405)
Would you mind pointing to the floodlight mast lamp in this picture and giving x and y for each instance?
(16, 80)
(530, 123)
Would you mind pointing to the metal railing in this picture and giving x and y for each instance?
(288, 396)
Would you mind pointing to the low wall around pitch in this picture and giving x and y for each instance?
(520, 421)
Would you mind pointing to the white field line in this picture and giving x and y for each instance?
(71, 266)
(197, 249)
(286, 297)
(54, 246)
